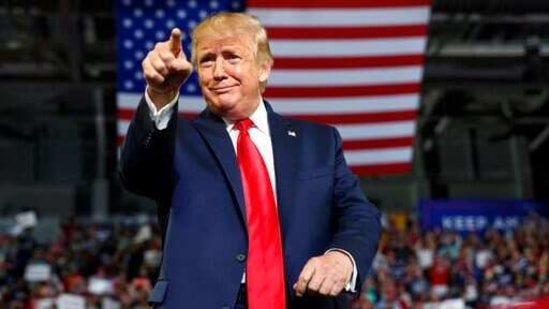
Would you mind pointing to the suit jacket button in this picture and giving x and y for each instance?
(225, 307)
(241, 257)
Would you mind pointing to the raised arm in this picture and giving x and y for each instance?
(147, 153)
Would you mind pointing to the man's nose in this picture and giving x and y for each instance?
(219, 70)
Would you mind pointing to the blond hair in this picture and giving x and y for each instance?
(237, 25)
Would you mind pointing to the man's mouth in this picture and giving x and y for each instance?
(222, 89)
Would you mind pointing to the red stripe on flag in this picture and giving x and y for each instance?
(379, 143)
(188, 115)
(380, 169)
(125, 113)
(343, 91)
(359, 117)
(343, 33)
(332, 4)
(347, 62)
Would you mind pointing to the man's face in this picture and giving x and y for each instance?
(230, 76)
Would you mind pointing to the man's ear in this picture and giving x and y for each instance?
(265, 71)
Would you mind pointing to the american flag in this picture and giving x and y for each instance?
(355, 64)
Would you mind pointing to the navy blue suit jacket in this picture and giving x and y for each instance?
(191, 170)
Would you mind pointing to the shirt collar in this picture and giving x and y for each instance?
(259, 118)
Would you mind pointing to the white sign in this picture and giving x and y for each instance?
(455, 303)
(70, 301)
(37, 272)
(100, 286)
(144, 234)
(26, 219)
(45, 303)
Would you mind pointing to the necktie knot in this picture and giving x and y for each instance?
(243, 125)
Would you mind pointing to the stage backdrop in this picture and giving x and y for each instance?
(355, 64)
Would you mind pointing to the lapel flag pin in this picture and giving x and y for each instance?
(291, 133)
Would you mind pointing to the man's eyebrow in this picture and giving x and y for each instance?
(205, 54)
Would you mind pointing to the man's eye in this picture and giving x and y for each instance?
(206, 62)
(233, 58)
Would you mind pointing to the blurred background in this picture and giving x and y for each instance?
(465, 209)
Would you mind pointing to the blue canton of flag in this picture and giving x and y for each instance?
(143, 23)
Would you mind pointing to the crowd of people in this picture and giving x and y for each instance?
(106, 265)
(420, 269)
(114, 265)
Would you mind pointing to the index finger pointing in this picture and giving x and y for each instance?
(175, 41)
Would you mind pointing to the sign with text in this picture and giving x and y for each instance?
(466, 216)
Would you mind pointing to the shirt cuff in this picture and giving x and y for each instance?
(350, 287)
(160, 117)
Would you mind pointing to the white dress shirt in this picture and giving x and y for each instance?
(261, 136)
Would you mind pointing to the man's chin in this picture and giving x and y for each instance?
(223, 108)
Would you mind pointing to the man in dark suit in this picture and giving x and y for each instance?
(263, 215)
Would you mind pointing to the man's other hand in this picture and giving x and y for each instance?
(327, 274)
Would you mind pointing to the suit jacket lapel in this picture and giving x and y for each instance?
(285, 141)
(213, 130)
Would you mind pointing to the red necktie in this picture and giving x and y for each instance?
(264, 264)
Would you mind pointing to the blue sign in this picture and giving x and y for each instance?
(465, 216)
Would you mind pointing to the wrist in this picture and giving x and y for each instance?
(343, 258)
(161, 98)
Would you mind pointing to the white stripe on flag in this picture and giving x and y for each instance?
(130, 100)
(122, 127)
(348, 47)
(382, 130)
(378, 156)
(373, 104)
(341, 17)
(288, 106)
(345, 77)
